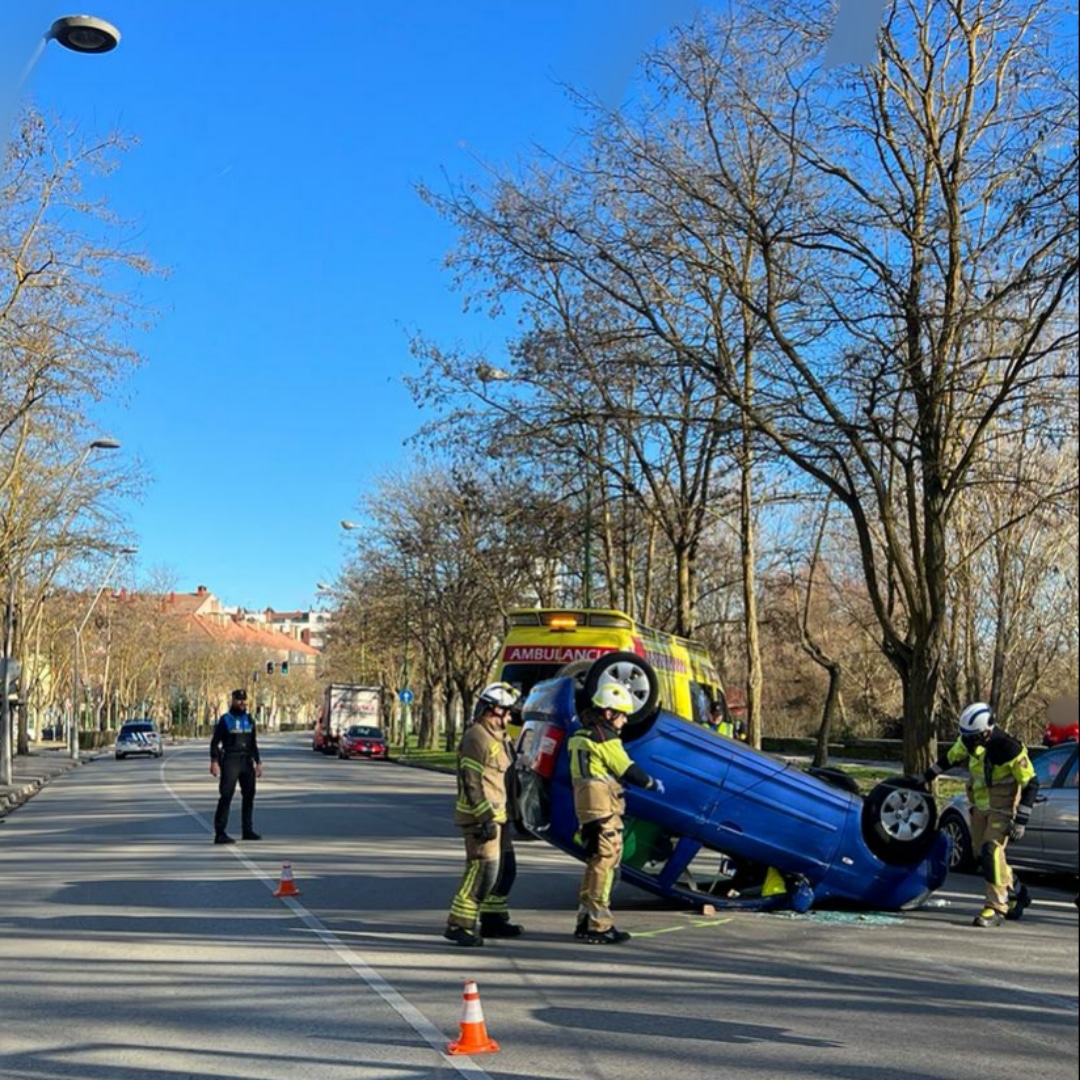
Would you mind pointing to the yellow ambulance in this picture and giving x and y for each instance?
(542, 643)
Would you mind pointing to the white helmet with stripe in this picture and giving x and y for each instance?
(976, 719)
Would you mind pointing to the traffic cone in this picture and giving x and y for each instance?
(287, 886)
(474, 1038)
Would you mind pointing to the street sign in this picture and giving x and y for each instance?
(405, 697)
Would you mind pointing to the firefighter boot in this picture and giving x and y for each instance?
(459, 935)
(611, 936)
(1019, 900)
(988, 917)
(499, 926)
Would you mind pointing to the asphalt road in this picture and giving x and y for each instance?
(131, 948)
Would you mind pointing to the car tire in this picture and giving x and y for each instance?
(636, 674)
(961, 855)
(119, 757)
(899, 821)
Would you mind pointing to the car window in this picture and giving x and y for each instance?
(1048, 765)
(366, 732)
(133, 729)
(1072, 776)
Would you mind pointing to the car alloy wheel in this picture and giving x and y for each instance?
(899, 821)
(960, 855)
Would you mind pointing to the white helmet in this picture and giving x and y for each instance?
(612, 695)
(976, 719)
(498, 695)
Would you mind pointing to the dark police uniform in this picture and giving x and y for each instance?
(235, 748)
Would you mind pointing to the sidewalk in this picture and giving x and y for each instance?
(30, 774)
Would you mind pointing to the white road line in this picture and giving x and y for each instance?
(463, 1066)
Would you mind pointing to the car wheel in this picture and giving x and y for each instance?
(961, 857)
(629, 670)
(899, 821)
(119, 757)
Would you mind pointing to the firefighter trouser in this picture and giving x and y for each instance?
(989, 836)
(603, 842)
(236, 768)
(490, 871)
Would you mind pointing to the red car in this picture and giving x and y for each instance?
(362, 741)
(1056, 734)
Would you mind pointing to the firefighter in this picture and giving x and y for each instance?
(599, 764)
(480, 907)
(234, 753)
(1001, 791)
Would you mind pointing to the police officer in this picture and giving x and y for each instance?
(480, 907)
(599, 764)
(234, 754)
(1001, 791)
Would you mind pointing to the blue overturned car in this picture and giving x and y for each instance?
(736, 828)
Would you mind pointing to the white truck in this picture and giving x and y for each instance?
(345, 704)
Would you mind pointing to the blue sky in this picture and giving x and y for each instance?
(280, 145)
(279, 149)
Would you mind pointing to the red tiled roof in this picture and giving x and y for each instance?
(229, 631)
(202, 612)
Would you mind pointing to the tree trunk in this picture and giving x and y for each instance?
(425, 738)
(754, 678)
(828, 713)
(919, 682)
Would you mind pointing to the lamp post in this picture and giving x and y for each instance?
(79, 33)
(73, 729)
(14, 571)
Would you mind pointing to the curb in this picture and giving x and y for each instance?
(14, 797)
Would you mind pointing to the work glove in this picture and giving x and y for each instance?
(486, 831)
(658, 786)
(1018, 825)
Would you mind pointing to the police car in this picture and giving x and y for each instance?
(138, 737)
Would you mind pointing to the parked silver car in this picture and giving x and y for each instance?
(138, 737)
(1050, 844)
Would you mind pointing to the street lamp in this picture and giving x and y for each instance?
(73, 729)
(14, 570)
(79, 33)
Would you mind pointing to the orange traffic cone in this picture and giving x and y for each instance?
(287, 886)
(474, 1038)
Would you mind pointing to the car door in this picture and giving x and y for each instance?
(1060, 818)
(1051, 840)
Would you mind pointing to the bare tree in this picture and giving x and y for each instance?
(899, 240)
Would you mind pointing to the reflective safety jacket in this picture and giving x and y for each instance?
(234, 734)
(598, 765)
(483, 764)
(1001, 766)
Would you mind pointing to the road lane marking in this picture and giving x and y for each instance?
(463, 1066)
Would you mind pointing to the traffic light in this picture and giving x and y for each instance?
(269, 667)
(284, 667)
